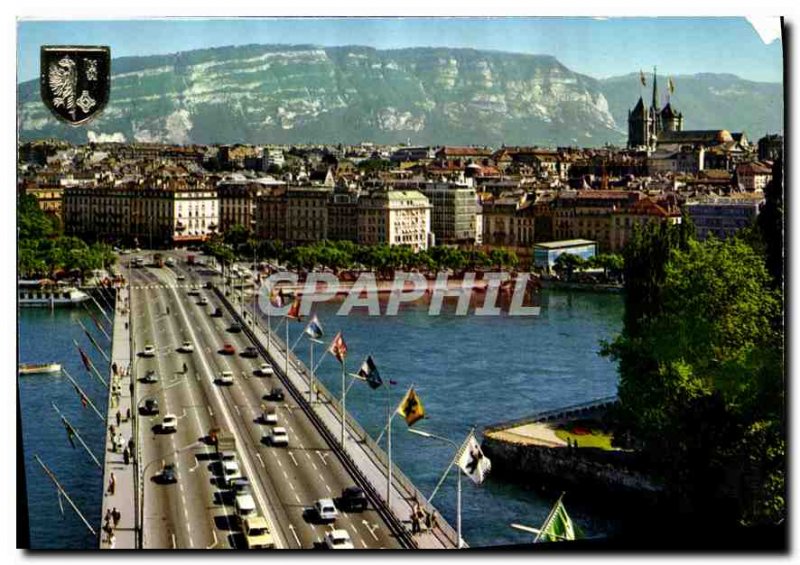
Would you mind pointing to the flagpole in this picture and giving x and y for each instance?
(91, 365)
(344, 411)
(548, 519)
(88, 400)
(458, 509)
(77, 435)
(103, 353)
(269, 323)
(64, 493)
(389, 449)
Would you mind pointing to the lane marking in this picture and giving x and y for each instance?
(213, 533)
(321, 456)
(260, 460)
(293, 459)
(174, 543)
(296, 539)
(210, 411)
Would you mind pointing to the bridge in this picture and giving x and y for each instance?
(162, 308)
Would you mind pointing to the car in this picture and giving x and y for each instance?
(150, 377)
(203, 301)
(149, 350)
(150, 407)
(277, 437)
(325, 510)
(186, 347)
(194, 290)
(169, 261)
(338, 539)
(270, 417)
(235, 328)
(227, 455)
(230, 471)
(217, 313)
(276, 393)
(240, 485)
(256, 533)
(266, 370)
(353, 499)
(225, 378)
(208, 284)
(228, 349)
(245, 507)
(250, 351)
(169, 423)
(181, 277)
(168, 474)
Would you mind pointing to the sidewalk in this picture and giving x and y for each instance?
(120, 399)
(371, 464)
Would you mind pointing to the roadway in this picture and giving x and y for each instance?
(195, 512)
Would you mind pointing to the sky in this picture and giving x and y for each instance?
(597, 47)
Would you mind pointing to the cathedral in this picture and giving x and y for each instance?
(645, 124)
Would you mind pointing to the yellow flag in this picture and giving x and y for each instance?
(641, 78)
(411, 408)
(671, 85)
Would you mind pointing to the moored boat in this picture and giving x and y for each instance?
(39, 293)
(36, 368)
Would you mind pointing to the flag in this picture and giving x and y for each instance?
(411, 408)
(84, 400)
(313, 329)
(294, 310)
(369, 372)
(472, 460)
(670, 85)
(338, 348)
(559, 526)
(70, 433)
(275, 298)
(85, 359)
(642, 79)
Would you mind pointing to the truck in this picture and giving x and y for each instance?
(222, 440)
(158, 260)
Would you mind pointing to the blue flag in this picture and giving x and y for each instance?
(369, 372)
(313, 329)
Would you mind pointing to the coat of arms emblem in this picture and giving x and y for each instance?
(75, 81)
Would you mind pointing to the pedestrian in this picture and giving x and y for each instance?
(111, 429)
(126, 325)
(112, 540)
(107, 517)
(128, 414)
(130, 387)
(126, 456)
(185, 368)
(114, 367)
(119, 417)
(112, 484)
(130, 445)
(116, 515)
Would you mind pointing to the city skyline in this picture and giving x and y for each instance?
(676, 45)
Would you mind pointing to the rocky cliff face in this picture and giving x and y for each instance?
(296, 94)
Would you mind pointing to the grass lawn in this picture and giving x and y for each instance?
(594, 439)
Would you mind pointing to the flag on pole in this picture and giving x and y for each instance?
(85, 358)
(338, 348)
(70, 433)
(559, 526)
(91, 339)
(369, 372)
(84, 400)
(314, 329)
(96, 322)
(294, 310)
(275, 298)
(642, 78)
(472, 460)
(411, 408)
(670, 85)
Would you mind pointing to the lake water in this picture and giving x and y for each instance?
(468, 371)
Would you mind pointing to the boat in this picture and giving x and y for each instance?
(36, 368)
(45, 293)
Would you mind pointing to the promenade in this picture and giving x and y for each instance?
(122, 496)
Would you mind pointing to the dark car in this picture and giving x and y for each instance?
(217, 313)
(276, 393)
(240, 485)
(168, 474)
(150, 377)
(228, 349)
(150, 406)
(250, 351)
(209, 284)
(235, 328)
(353, 499)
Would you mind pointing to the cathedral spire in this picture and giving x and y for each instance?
(655, 91)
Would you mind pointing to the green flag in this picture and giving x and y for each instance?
(559, 526)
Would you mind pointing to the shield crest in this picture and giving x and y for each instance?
(75, 81)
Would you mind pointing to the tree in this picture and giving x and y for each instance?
(770, 222)
(568, 263)
(236, 235)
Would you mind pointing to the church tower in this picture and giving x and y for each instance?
(645, 124)
(639, 125)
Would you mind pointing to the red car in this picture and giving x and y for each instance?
(228, 349)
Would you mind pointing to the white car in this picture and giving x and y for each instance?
(326, 510)
(169, 261)
(266, 370)
(181, 277)
(225, 378)
(186, 347)
(338, 539)
(149, 350)
(230, 471)
(169, 423)
(271, 417)
(278, 436)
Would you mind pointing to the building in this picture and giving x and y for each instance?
(722, 217)
(770, 147)
(343, 214)
(509, 221)
(586, 214)
(394, 217)
(546, 253)
(645, 124)
(453, 212)
(237, 204)
(623, 222)
(271, 214)
(753, 176)
(49, 197)
(307, 214)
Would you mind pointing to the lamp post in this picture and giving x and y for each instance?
(458, 492)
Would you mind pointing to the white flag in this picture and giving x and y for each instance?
(472, 460)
